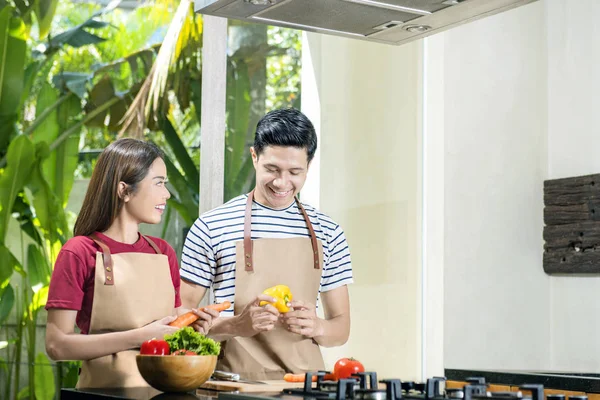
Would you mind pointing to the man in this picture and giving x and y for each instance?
(264, 239)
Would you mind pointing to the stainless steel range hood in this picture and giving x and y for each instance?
(385, 21)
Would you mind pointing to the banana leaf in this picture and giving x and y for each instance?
(20, 160)
(39, 300)
(7, 301)
(8, 265)
(12, 61)
(8, 130)
(244, 180)
(48, 129)
(59, 167)
(75, 82)
(44, 378)
(38, 270)
(79, 36)
(67, 153)
(23, 393)
(48, 208)
(25, 217)
(44, 11)
(192, 176)
(102, 91)
(12, 67)
(186, 200)
(238, 106)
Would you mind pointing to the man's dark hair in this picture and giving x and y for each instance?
(286, 127)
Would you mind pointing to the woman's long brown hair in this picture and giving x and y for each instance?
(125, 160)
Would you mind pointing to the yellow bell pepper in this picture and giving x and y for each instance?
(282, 294)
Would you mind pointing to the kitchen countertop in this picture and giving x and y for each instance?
(579, 382)
(141, 393)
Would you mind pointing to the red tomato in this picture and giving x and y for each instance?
(345, 367)
(184, 352)
(155, 347)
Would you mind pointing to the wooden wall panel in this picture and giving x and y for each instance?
(572, 225)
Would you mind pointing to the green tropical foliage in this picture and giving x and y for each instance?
(73, 76)
(41, 118)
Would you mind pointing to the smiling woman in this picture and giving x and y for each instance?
(119, 287)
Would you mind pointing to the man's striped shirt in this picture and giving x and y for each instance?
(209, 250)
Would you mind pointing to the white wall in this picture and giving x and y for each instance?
(496, 294)
(528, 80)
(433, 206)
(509, 101)
(573, 149)
(369, 121)
(573, 87)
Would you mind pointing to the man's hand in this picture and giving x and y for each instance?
(303, 320)
(254, 318)
(206, 316)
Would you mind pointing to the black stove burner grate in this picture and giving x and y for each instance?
(365, 386)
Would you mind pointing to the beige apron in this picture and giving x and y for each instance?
(130, 290)
(260, 264)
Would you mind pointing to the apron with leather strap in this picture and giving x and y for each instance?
(130, 290)
(260, 264)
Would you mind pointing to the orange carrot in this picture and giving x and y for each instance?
(297, 378)
(184, 320)
(329, 377)
(189, 318)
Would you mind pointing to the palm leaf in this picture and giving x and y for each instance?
(182, 30)
(134, 120)
(168, 53)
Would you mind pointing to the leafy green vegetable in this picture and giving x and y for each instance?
(188, 339)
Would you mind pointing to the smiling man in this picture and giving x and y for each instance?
(264, 239)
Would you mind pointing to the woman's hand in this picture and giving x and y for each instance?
(206, 317)
(62, 343)
(157, 329)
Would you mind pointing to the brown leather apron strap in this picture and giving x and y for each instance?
(152, 244)
(248, 234)
(109, 278)
(313, 236)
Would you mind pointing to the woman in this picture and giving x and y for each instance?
(119, 287)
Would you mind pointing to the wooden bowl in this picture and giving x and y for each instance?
(176, 373)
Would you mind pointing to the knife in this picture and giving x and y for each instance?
(231, 377)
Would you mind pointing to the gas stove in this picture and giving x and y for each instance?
(366, 386)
